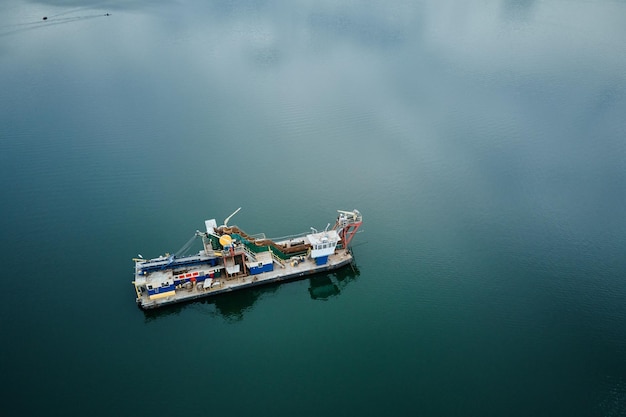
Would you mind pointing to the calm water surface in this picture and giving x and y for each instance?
(484, 143)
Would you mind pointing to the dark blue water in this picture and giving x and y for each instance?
(484, 144)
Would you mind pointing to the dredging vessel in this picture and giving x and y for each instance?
(231, 260)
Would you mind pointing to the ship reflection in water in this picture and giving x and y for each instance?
(232, 307)
(323, 287)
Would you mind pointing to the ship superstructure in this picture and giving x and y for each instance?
(231, 259)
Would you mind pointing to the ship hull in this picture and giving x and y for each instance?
(229, 284)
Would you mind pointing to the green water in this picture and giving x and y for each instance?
(483, 142)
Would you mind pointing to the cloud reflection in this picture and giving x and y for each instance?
(493, 93)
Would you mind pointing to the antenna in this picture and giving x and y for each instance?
(228, 218)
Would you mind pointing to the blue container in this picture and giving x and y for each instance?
(321, 260)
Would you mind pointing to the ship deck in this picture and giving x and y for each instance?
(223, 284)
